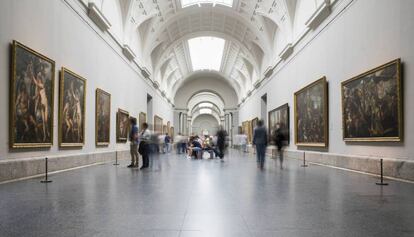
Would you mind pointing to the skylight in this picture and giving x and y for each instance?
(205, 111)
(209, 105)
(187, 3)
(206, 52)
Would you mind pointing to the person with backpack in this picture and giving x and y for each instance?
(134, 140)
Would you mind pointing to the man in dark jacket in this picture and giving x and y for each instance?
(221, 142)
(260, 141)
(279, 140)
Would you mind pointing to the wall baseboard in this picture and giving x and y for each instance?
(394, 168)
(22, 168)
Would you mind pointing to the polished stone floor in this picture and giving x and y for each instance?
(180, 197)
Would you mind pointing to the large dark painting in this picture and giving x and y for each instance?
(372, 105)
(72, 98)
(311, 115)
(31, 98)
(122, 125)
(103, 118)
(279, 118)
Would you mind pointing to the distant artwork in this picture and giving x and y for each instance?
(372, 105)
(246, 130)
(122, 125)
(164, 129)
(280, 116)
(253, 125)
(311, 115)
(249, 131)
(31, 98)
(103, 117)
(157, 124)
(142, 119)
(168, 127)
(71, 109)
(172, 132)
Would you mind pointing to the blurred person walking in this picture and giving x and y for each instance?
(260, 141)
(134, 140)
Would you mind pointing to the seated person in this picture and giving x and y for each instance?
(194, 147)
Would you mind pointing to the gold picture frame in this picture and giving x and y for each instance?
(142, 119)
(72, 97)
(384, 86)
(158, 124)
(279, 115)
(102, 118)
(122, 126)
(24, 62)
(313, 102)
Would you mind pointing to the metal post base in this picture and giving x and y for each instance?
(382, 184)
(116, 164)
(46, 181)
(304, 166)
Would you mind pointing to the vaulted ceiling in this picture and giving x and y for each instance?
(257, 34)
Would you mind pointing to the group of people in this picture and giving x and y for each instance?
(146, 143)
(214, 145)
(261, 139)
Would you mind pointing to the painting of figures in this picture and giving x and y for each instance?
(122, 125)
(279, 119)
(31, 98)
(103, 118)
(71, 109)
(311, 115)
(142, 119)
(372, 105)
(157, 124)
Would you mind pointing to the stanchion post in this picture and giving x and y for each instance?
(116, 158)
(304, 160)
(46, 172)
(382, 175)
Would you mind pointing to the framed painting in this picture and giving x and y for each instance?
(31, 98)
(142, 119)
(102, 118)
(172, 133)
(72, 97)
(311, 115)
(164, 129)
(168, 127)
(249, 131)
(157, 124)
(279, 116)
(122, 125)
(372, 105)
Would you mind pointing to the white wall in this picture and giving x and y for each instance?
(367, 34)
(56, 30)
(205, 122)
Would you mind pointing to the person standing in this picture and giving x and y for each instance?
(260, 141)
(134, 140)
(167, 141)
(144, 137)
(279, 140)
(221, 142)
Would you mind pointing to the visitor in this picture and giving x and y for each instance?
(221, 142)
(280, 140)
(145, 137)
(134, 140)
(167, 141)
(260, 141)
(243, 142)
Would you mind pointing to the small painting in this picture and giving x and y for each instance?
(372, 105)
(122, 126)
(31, 98)
(311, 115)
(71, 109)
(103, 118)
